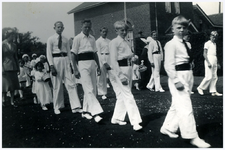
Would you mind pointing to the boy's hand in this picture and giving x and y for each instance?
(179, 86)
(209, 65)
(152, 65)
(77, 74)
(98, 71)
(54, 72)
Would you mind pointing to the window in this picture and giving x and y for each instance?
(168, 7)
(177, 7)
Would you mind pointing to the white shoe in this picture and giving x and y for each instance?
(119, 122)
(216, 94)
(199, 143)
(167, 132)
(97, 118)
(86, 115)
(137, 127)
(104, 97)
(161, 90)
(150, 89)
(192, 92)
(35, 100)
(44, 108)
(77, 110)
(108, 85)
(57, 112)
(200, 91)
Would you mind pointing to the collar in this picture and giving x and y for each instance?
(83, 35)
(120, 39)
(178, 39)
(57, 35)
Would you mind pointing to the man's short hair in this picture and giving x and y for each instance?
(181, 20)
(85, 21)
(103, 28)
(120, 24)
(58, 22)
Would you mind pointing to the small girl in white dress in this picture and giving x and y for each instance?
(42, 88)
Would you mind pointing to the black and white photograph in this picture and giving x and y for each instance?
(113, 74)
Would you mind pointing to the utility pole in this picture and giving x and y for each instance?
(219, 7)
(125, 12)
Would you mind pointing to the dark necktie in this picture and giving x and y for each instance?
(60, 41)
(188, 51)
(158, 45)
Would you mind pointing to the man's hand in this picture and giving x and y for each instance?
(53, 70)
(98, 71)
(179, 86)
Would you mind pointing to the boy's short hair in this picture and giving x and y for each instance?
(181, 20)
(58, 22)
(102, 28)
(214, 33)
(153, 32)
(85, 21)
(120, 24)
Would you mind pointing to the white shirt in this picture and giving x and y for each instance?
(83, 44)
(102, 45)
(119, 49)
(211, 47)
(52, 47)
(153, 47)
(175, 54)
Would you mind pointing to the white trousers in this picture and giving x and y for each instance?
(155, 77)
(102, 79)
(180, 114)
(64, 75)
(210, 75)
(87, 70)
(125, 102)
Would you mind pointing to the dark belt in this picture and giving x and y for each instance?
(59, 55)
(157, 52)
(124, 62)
(86, 56)
(104, 53)
(183, 67)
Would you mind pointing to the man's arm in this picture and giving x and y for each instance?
(206, 58)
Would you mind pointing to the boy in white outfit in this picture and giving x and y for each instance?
(102, 44)
(211, 66)
(121, 78)
(177, 65)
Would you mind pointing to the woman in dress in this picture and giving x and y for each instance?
(10, 65)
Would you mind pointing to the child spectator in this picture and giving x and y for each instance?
(42, 88)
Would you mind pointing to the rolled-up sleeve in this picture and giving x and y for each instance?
(75, 45)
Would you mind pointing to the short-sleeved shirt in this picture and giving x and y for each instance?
(211, 47)
(154, 47)
(175, 54)
(83, 44)
(102, 45)
(122, 48)
(52, 47)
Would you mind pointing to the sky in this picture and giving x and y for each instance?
(39, 17)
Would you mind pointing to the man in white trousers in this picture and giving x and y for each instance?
(102, 44)
(211, 66)
(155, 56)
(59, 58)
(121, 78)
(84, 51)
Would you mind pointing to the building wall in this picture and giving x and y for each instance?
(107, 14)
